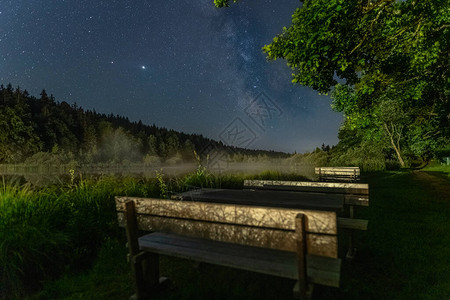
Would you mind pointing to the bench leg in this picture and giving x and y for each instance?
(137, 263)
(150, 267)
(305, 295)
(302, 289)
(351, 250)
(144, 265)
(136, 257)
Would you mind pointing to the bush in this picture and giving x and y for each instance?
(365, 156)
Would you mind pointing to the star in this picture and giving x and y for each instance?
(143, 67)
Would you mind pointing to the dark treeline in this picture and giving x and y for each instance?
(38, 130)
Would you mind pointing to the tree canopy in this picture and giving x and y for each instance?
(384, 62)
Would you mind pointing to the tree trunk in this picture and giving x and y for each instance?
(396, 147)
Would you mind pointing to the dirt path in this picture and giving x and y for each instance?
(439, 184)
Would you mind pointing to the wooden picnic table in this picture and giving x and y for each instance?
(324, 200)
(267, 198)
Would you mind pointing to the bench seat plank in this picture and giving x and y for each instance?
(320, 270)
(348, 223)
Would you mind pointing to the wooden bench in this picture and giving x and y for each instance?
(338, 173)
(290, 243)
(354, 194)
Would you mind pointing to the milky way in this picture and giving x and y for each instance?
(184, 65)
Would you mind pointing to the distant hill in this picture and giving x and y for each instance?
(31, 126)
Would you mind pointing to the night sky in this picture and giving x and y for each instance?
(184, 65)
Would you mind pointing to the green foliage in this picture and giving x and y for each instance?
(151, 160)
(17, 139)
(368, 156)
(200, 178)
(47, 158)
(117, 146)
(312, 159)
(163, 191)
(110, 278)
(222, 3)
(274, 175)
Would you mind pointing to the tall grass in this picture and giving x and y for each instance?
(46, 231)
(31, 240)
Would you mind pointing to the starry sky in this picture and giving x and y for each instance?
(183, 65)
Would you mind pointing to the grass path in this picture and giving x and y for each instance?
(405, 254)
(438, 182)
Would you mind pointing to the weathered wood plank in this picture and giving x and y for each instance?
(338, 173)
(360, 200)
(131, 226)
(317, 186)
(343, 185)
(331, 169)
(353, 193)
(348, 223)
(265, 198)
(281, 239)
(263, 260)
(300, 234)
(265, 217)
(323, 270)
(268, 261)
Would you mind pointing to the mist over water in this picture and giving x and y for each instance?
(41, 175)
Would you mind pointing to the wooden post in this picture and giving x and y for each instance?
(351, 251)
(133, 248)
(151, 271)
(301, 288)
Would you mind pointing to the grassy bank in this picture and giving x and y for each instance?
(405, 253)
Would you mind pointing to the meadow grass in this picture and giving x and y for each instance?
(438, 167)
(404, 254)
(47, 231)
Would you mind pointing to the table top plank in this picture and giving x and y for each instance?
(270, 198)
